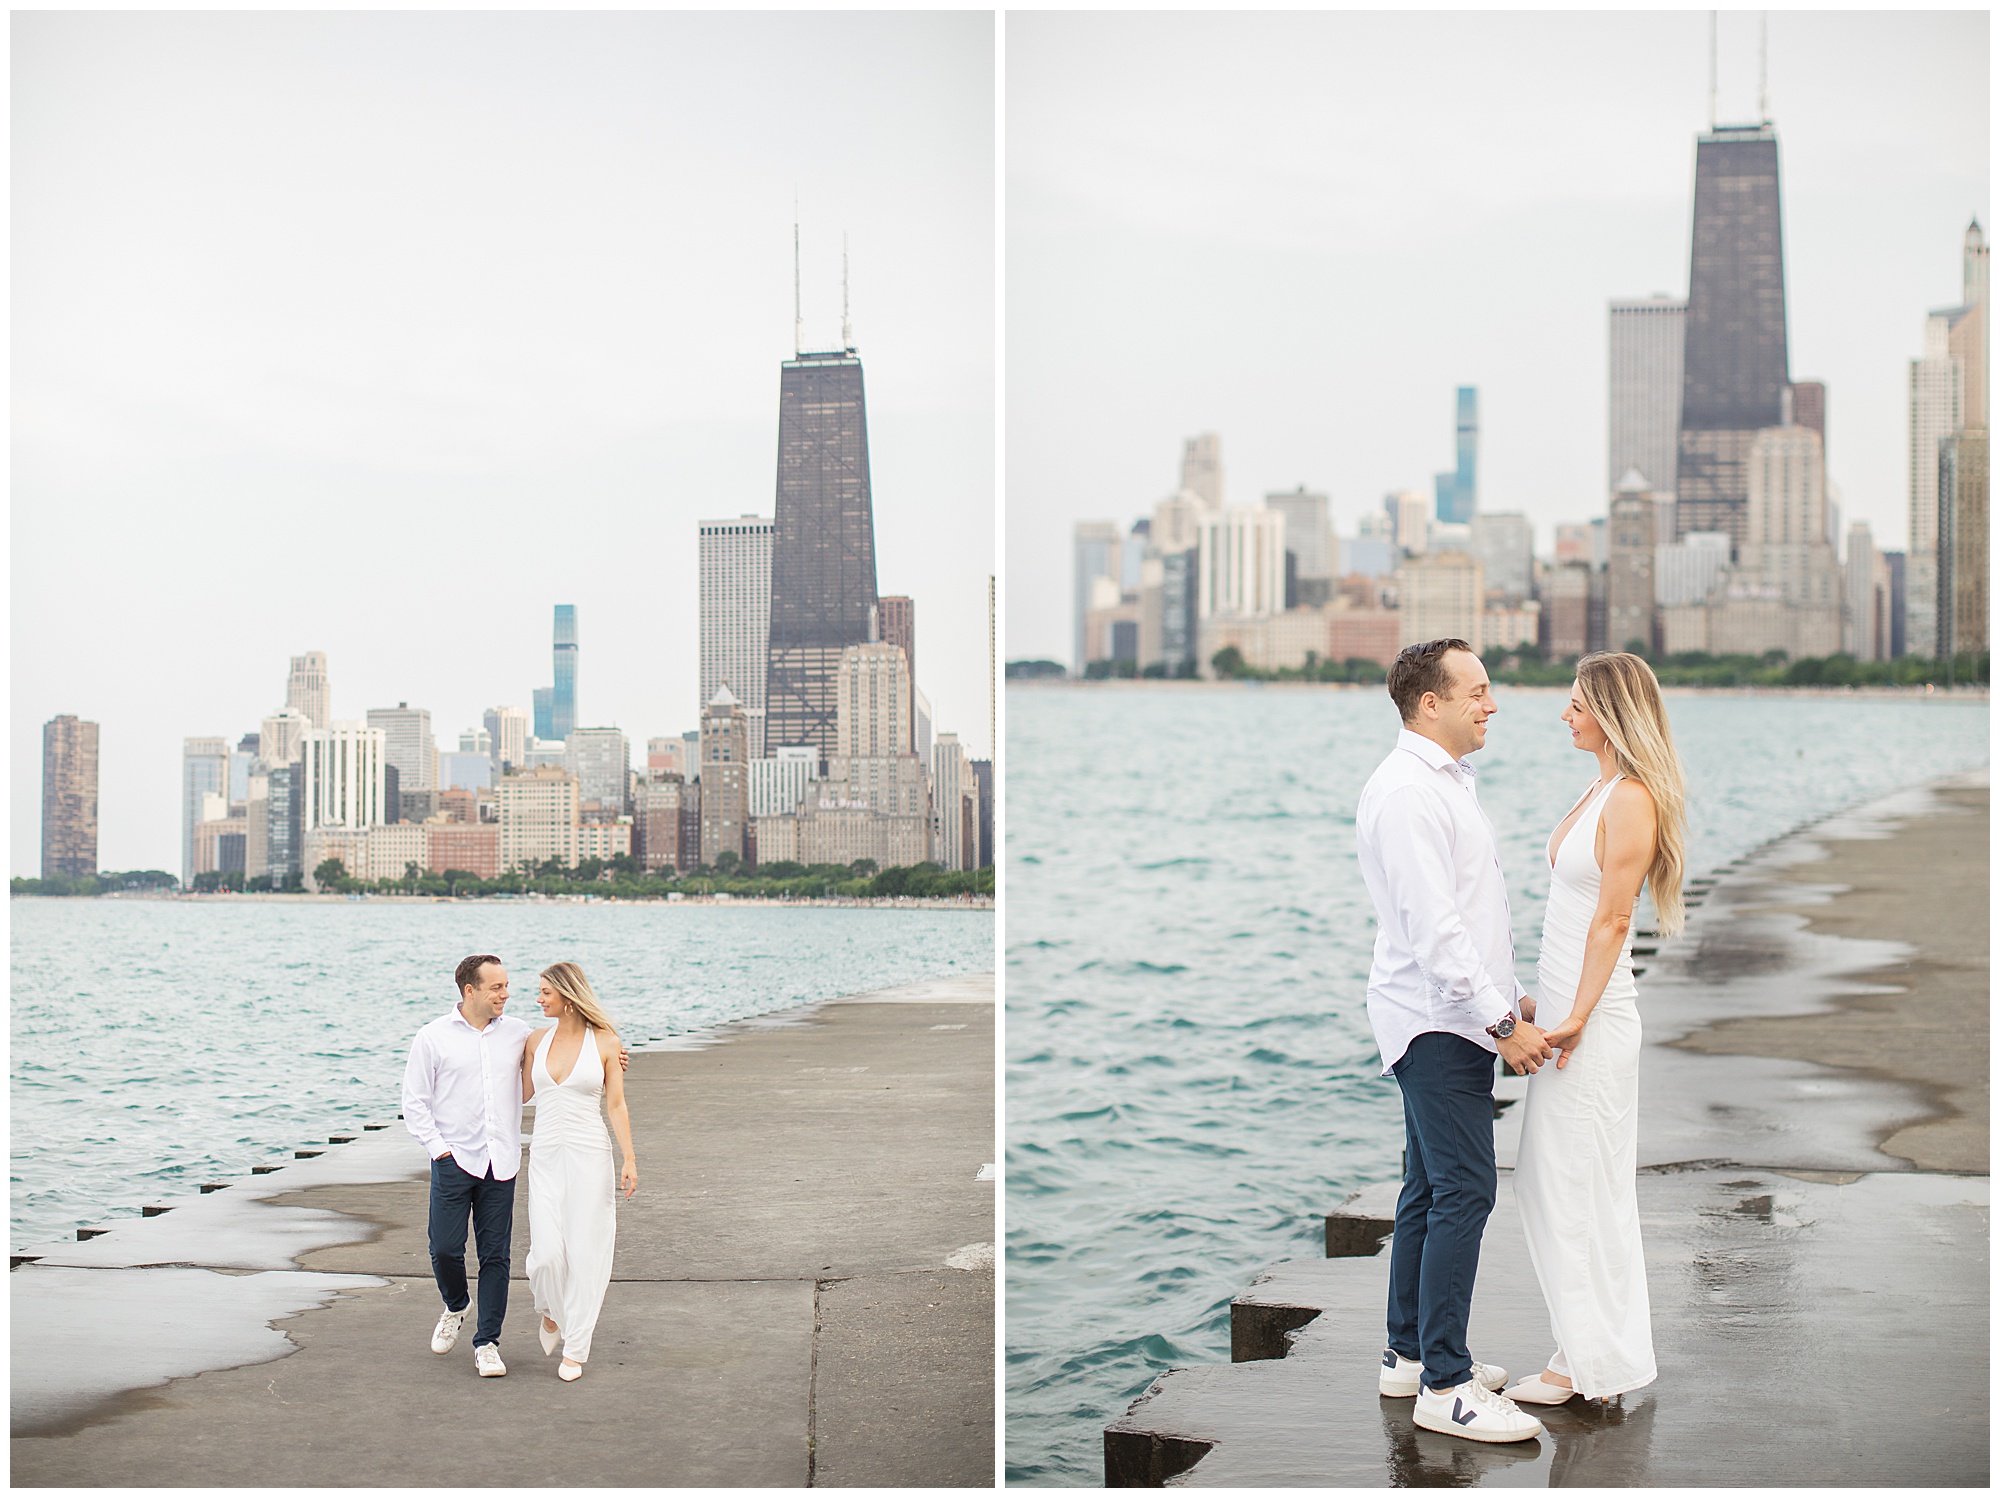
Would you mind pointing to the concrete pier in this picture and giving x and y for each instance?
(1814, 1196)
(802, 1295)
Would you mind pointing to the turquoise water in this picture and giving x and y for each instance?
(1191, 1082)
(160, 1043)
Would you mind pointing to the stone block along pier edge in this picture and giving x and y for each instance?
(1814, 1193)
(803, 1293)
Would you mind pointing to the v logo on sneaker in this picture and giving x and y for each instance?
(1389, 1358)
(1460, 1415)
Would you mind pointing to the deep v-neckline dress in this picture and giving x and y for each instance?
(572, 1195)
(1575, 1176)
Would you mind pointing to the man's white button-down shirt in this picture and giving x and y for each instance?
(462, 1092)
(1444, 947)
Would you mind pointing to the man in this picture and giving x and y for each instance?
(1443, 1000)
(462, 1098)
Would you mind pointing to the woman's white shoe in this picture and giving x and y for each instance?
(1534, 1391)
(569, 1372)
(550, 1339)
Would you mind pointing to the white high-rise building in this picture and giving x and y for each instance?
(406, 731)
(779, 784)
(1201, 469)
(204, 773)
(475, 741)
(601, 761)
(1309, 538)
(872, 701)
(1409, 511)
(1504, 543)
(1242, 564)
(507, 738)
(1685, 572)
(951, 784)
(279, 737)
(1643, 430)
(1865, 626)
(341, 777)
(736, 614)
(920, 715)
(1937, 409)
(307, 689)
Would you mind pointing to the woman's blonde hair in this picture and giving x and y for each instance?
(1623, 695)
(567, 979)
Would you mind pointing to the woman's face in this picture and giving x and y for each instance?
(550, 1000)
(1583, 730)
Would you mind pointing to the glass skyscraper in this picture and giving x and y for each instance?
(1458, 491)
(823, 550)
(1734, 366)
(562, 703)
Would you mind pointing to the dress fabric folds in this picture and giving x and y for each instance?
(572, 1196)
(1575, 1177)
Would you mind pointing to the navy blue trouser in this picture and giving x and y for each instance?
(1449, 1185)
(455, 1195)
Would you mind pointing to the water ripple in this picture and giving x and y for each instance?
(267, 1026)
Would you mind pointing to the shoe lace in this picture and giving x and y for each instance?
(1495, 1401)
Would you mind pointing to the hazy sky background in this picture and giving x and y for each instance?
(1302, 231)
(381, 334)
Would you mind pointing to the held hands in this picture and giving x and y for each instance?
(629, 1179)
(1564, 1038)
(1525, 1050)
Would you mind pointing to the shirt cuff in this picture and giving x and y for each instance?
(1491, 1007)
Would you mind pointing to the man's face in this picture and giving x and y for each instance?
(485, 999)
(1462, 716)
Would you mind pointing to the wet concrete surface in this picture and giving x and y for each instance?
(803, 1186)
(1813, 1194)
(1782, 1310)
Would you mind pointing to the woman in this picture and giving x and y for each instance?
(568, 1069)
(1575, 1180)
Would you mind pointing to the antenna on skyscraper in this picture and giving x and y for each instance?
(1763, 57)
(846, 328)
(798, 314)
(1711, 70)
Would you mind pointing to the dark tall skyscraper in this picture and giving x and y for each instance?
(562, 705)
(823, 554)
(1735, 367)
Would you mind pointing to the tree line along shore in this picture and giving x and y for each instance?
(614, 878)
(1529, 668)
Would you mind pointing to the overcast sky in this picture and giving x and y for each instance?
(381, 334)
(1303, 231)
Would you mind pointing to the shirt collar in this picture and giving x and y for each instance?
(1432, 753)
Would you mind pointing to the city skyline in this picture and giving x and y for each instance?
(1191, 268)
(511, 342)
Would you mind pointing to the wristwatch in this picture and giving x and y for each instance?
(1502, 1030)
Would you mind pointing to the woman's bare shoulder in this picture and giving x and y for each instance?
(607, 1042)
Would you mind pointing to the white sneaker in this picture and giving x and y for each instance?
(446, 1336)
(1476, 1413)
(1401, 1377)
(486, 1357)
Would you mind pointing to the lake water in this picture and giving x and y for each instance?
(1191, 1082)
(161, 1043)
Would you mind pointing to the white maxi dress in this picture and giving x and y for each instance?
(572, 1204)
(1575, 1177)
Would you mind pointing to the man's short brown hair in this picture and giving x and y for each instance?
(1420, 669)
(468, 971)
